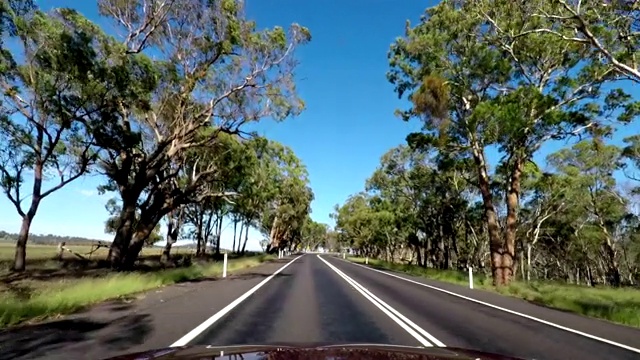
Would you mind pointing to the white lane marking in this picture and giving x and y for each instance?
(210, 321)
(578, 332)
(396, 316)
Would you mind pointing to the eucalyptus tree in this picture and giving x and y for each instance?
(256, 187)
(353, 223)
(313, 234)
(67, 80)
(475, 85)
(610, 28)
(289, 202)
(212, 200)
(589, 166)
(214, 70)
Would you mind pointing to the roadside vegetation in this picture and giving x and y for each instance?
(58, 287)
(164, 113)
(527, 164)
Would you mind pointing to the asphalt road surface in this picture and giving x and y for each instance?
(323, 299)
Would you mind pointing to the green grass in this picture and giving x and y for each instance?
(620, 306)
(52, 299)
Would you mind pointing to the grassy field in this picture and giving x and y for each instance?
(621, 306)
(50, 288)
(46, 252)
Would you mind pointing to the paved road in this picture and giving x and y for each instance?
(326, 300)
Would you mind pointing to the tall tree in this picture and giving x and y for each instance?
(289, 203)
(590, 165)
(217, 72)
(66, 83)
(475, 85)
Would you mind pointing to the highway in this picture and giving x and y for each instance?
(323, 299)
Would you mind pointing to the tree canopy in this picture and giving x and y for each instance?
(160, 110)
(508, 77)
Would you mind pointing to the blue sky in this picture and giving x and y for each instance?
(348, 125)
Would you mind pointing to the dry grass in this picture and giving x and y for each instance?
(46, 252)
(51, 287)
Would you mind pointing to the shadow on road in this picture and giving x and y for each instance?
(42, 340)
(253, 275)
(242, 276)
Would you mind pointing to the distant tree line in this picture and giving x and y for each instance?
(50, 239)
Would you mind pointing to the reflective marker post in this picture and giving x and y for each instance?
(366, 260)
(470, 277)
(224, 266)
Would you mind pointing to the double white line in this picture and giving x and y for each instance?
(409, 326)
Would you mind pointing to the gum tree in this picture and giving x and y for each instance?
(67, 81)
(216, 72)
(475, 85)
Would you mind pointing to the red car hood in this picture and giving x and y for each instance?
(312, 352)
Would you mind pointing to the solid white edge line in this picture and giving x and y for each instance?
(577, 332)
(215, 317)
(360, 288)
(402, 317)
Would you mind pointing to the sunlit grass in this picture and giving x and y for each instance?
(51, 299)
(41, 252)
(621, 306)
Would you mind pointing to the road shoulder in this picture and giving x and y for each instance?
(155, 319)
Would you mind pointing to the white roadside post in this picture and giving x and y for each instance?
(470, 277)
(344, 255)
(366, 260)
(224, 265)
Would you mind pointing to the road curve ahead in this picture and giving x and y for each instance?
(323, 299)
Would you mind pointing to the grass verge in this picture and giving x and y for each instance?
(68, 296)
(620, 306)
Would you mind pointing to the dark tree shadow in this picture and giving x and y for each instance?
(243, 276)
(42, 340)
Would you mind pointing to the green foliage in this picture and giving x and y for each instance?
(216, 72)
(159, 111)
(481, 74)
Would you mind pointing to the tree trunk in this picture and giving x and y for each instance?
(199, 236)
(137, 243)
(133, 251)
(242, 229)
(173, 230)
(513, 201)
(613, 270)
(495, 242)
(235, 233)
(20, 259)
(273, 234)
(246, 238)
(166, 252)
(529, 248)
(124, 233)
(219, 233)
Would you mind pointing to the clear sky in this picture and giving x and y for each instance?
(348, 125)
